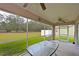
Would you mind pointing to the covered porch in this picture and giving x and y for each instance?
(52, 15)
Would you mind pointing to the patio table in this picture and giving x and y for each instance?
(44, 48)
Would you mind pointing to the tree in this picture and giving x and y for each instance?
(14, 23)
(3, 25)
(20, 23)
(11, 22)
(17, 23)
(1, 17)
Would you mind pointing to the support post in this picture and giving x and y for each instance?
(59, 31)
(44, 32)
(76, 34)
(53, 32)
(67, 32)
(27, 35)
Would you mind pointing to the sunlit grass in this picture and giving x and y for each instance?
(13, 48)
(15, 43)
(71, 38)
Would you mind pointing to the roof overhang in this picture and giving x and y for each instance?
(15, 9)
(49, 16)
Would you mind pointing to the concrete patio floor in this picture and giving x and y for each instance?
(67, 49)
(64, 49)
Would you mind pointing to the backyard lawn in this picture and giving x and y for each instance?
(15, 43)
(64, 38)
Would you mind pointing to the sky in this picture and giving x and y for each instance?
(6, 13)
(3, 12)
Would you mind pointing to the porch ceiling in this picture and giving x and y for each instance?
(67, 13)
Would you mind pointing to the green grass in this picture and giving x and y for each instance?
(15, 43)
(12, 48)
(71, 39)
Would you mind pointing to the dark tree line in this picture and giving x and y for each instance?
(16, 23)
